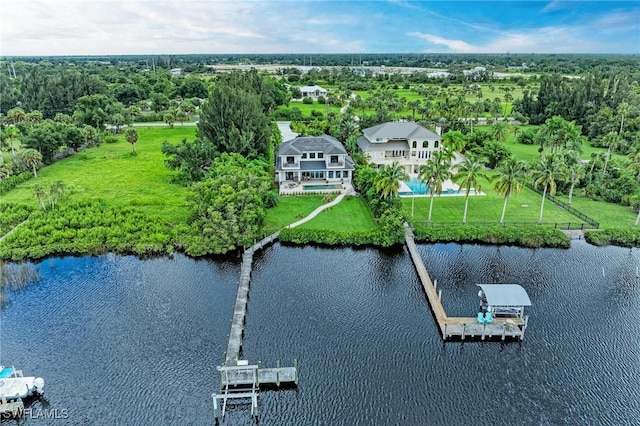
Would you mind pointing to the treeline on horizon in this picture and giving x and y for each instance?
(573, 63)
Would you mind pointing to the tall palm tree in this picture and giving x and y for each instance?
(434, 173)
(388, 180)
(576, 172)
(546, 170)
(131, 134)
(612, 141)
(509, 180)
(469, 175)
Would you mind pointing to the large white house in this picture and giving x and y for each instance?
(404, 142)
(307, 158)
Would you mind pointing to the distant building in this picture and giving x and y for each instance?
(404, 142)
(313, 92)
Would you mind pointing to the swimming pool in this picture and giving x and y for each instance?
(415, 187)
(320, 187)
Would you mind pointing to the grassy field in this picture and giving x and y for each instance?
(351, 214)
(608, 215)
(525, 207)
(111, 172)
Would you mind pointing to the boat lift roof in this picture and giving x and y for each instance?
(505, 295)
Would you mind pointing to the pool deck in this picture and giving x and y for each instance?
(296, 188)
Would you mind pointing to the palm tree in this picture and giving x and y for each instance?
(41, 195)
(388, 180)
(131, 135)
(469, 175)
(499, 131)
(576, 172)
(434, 173)
(12, 133)
(509, 180)
(546, 170)
(454, 140)
(32, 158)
(612, 141)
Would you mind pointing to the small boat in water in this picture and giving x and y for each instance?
(13, 384)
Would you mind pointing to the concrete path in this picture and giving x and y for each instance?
(285, 130)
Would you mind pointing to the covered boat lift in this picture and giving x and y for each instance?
(503, 300)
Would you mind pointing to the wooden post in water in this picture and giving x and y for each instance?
(278, 372)
(463, 327)
(484, 326)
(504, 328)
(440, 295)
(295, 365)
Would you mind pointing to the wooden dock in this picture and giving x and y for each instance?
(462, 327)
(234, 345)
(240, 381)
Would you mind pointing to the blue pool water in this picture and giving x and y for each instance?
(320, 187)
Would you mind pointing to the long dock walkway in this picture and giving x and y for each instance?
(461, 327)
(238, 379)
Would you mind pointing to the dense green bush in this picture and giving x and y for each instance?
(88, 228)
(12, 181)
(617, 236)
(528, 236)
(11, 215)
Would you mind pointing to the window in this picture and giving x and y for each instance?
(345, 174)
(337, 173)
(289, 160)
(378, 139)
(425, 144)
(312, 155)
(435, 144)
(330, 174)
(334, 158)
(320, 155)
(304, 155)
(414, 144)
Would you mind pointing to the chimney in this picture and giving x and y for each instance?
(438, 129)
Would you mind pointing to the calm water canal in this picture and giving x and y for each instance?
(125, 341)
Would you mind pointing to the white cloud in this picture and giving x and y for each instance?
(457, 46)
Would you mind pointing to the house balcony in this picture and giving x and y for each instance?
(335, 165)
(293, 165)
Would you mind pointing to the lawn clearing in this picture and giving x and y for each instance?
(351, 214)
(290, 209)
(112, 173)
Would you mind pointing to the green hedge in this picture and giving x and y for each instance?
(624, 237)
(529, 236)
(335, 238)
(12, 181)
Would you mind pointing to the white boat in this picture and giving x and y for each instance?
(14, 385)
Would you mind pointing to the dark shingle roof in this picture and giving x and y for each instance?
(326, 144)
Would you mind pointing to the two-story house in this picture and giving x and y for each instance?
(319, 158)
(404, 142)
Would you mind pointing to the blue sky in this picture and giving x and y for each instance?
(100, 27)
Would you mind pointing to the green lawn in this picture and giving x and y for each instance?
(111, 172)
(608, 215)
(351, 214)
(525, 207)
(290, 209)
(307, 108)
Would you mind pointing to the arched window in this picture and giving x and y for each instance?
(425, 144)
(435, 144)
(414, 145)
